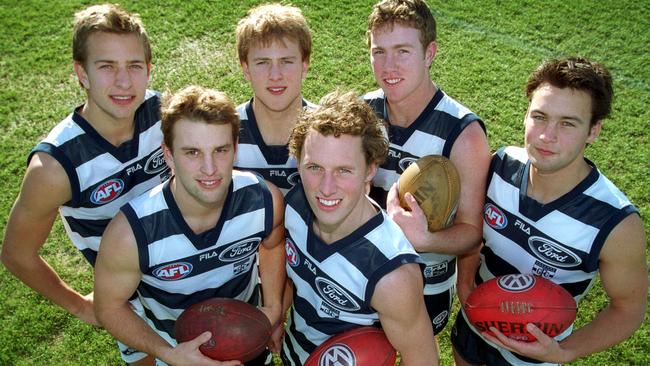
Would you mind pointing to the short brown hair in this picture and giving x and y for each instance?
(409, 13)
(270, 23)
(107, 18)
(579, 74)
(199, 104)
(343, 114)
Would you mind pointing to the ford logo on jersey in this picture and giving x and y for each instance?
(239, 250)
(494, 217)
(552, 253)
(156, 163)
(404, 163)
(335, 295)
(173, 272)
(107, 191)
(293, 258)
(293, 178)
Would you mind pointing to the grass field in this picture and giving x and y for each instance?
(486, 51)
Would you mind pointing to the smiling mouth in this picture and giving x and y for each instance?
(392, 81)
(120, 99)
(328, 203)
(276, 90)
(211, 183)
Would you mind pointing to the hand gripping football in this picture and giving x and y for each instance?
(363, 346)
(510, 302)
(239, 330)
(433, 181)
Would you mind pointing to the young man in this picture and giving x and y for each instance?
(194, 237)
(349, 264)
(104, 153)
(548, 198)
(423, 120)
(274, 45)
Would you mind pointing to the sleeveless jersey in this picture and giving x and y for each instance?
(334, 283)
(272, 162)
(560, 240)
(180, 268)
(434, 132)
(104, 177)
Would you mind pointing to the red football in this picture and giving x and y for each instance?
(240, 331)
(510, 302)
(363, 346)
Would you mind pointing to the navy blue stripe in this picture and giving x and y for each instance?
(250, 133)
(279, 176)
(165, 325)
(386, 268)
(131, 175)
(268, 208)
(300, 339)
(498, 267)
(509, 170)
(147, 114)
(495, 264)
(450, 271)
(87, 228)
(90, 255)
(65, 162)
(182, 301)
(140, 236)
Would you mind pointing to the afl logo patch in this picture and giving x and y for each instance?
(156, 163)
(173, 272)
(335, 295)
(337, 355)
(293, 258)
(494, 217)
(404, 163)
(516, 282)
(239, 250)
(107, 191)
(553, 253)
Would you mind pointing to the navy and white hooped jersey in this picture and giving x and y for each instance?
(270, 161)
(560, 240)
(180, 268)
(334, 283)
(104, 177)
(434, 132)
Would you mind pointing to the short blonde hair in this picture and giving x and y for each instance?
(107, 18)
(270, 23)
(343, 114)
(409, 13)
(200, 104)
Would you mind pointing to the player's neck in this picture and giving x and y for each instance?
(334, 233)
(276, 126)
(404, 112)
(200, 218)
(546, 187)
(114, 130)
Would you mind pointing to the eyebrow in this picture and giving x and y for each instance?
(114, 62)
(399, 45)
(572, 118)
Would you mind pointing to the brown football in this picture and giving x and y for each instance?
(433, 181)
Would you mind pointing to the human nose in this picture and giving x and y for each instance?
(549, 132)
(123, 78)
(390, 61)
(275, 73)
(328, 184)
(208, 165)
